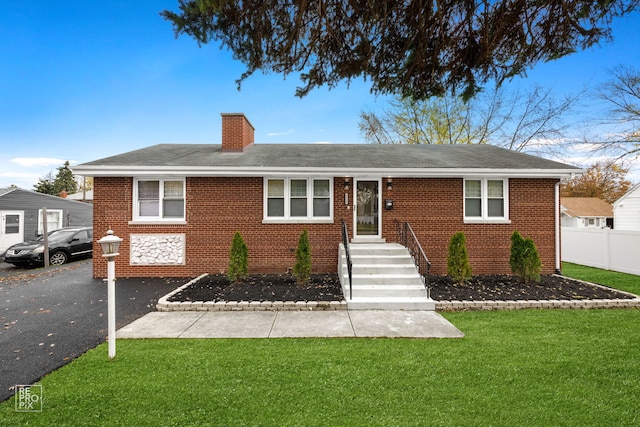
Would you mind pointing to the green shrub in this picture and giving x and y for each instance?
(302, 268)
(238, 260)
(517, 252)
(458, 260)
(524, 259)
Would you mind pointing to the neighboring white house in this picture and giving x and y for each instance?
(626, 210)
(585, 212)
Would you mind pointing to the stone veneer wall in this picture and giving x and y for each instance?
(157, 249)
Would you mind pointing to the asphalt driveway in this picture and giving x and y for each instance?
(48, 317)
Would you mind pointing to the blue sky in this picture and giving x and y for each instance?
(86, 80)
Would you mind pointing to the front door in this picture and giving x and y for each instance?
(367, 209)
(11, 228)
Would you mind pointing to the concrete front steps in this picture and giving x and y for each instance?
(384, 278)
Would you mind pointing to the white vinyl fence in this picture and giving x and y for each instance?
(617, 250)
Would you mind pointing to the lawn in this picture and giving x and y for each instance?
(622, 281)
(524, 367)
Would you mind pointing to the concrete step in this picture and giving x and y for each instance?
(389, 292)
(390, 303)
(378, 280)
(384, 259)
(383, 277)
(378, 250)
(388, 270)
(399, 286)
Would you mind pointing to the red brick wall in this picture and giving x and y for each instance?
(218, 207)
(434, 208)
(237, 132)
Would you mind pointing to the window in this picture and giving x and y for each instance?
(495, 198)
(54, 220)
(485, 199)
(473, 198)
(173, 200)
(592, 222)
(275, 198)
(82, 235)
(160, 199)
(321, 198)
(12, 224)
(298, 199)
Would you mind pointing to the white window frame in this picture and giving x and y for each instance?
(137, 219)
(49, 212)
(484, 218)
(287, 218)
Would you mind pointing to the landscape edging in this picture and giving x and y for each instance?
(523, 304)
(165, 305)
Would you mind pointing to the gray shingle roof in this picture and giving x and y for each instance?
(321, 157)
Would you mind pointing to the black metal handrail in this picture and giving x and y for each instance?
(407, 238)
(345, 243)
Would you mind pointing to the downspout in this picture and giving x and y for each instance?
(557, 224)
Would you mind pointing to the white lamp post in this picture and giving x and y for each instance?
(110, 245)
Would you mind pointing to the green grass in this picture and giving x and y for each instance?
(622, 281)
(529, 367)
(524, 367)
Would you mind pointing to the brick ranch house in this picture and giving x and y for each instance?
(177, 206)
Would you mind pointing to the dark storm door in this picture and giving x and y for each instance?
(367, 208)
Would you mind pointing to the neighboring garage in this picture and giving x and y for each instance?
(21, 215)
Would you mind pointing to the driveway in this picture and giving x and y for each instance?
(48, 317)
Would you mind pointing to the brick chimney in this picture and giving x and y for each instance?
(237, 133)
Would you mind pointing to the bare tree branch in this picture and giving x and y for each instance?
(514, 120)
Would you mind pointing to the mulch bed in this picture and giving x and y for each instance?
(509, 288)
(326, 287)
(262, 287)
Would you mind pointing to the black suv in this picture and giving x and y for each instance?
(64, 244)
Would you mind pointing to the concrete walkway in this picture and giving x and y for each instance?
(295, 324)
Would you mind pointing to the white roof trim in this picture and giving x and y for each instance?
(198, 171)
(625, 195)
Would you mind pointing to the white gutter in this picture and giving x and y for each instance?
(257, 171)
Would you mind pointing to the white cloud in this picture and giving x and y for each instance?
(585, 147)
(549, 142)
(26, 171)
(286, 132)
(39, 161)
(21, 179)
(19, 175)
(588, 160)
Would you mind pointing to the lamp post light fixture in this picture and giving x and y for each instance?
(110, 245)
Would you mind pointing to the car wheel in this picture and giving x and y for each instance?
(58, 258)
